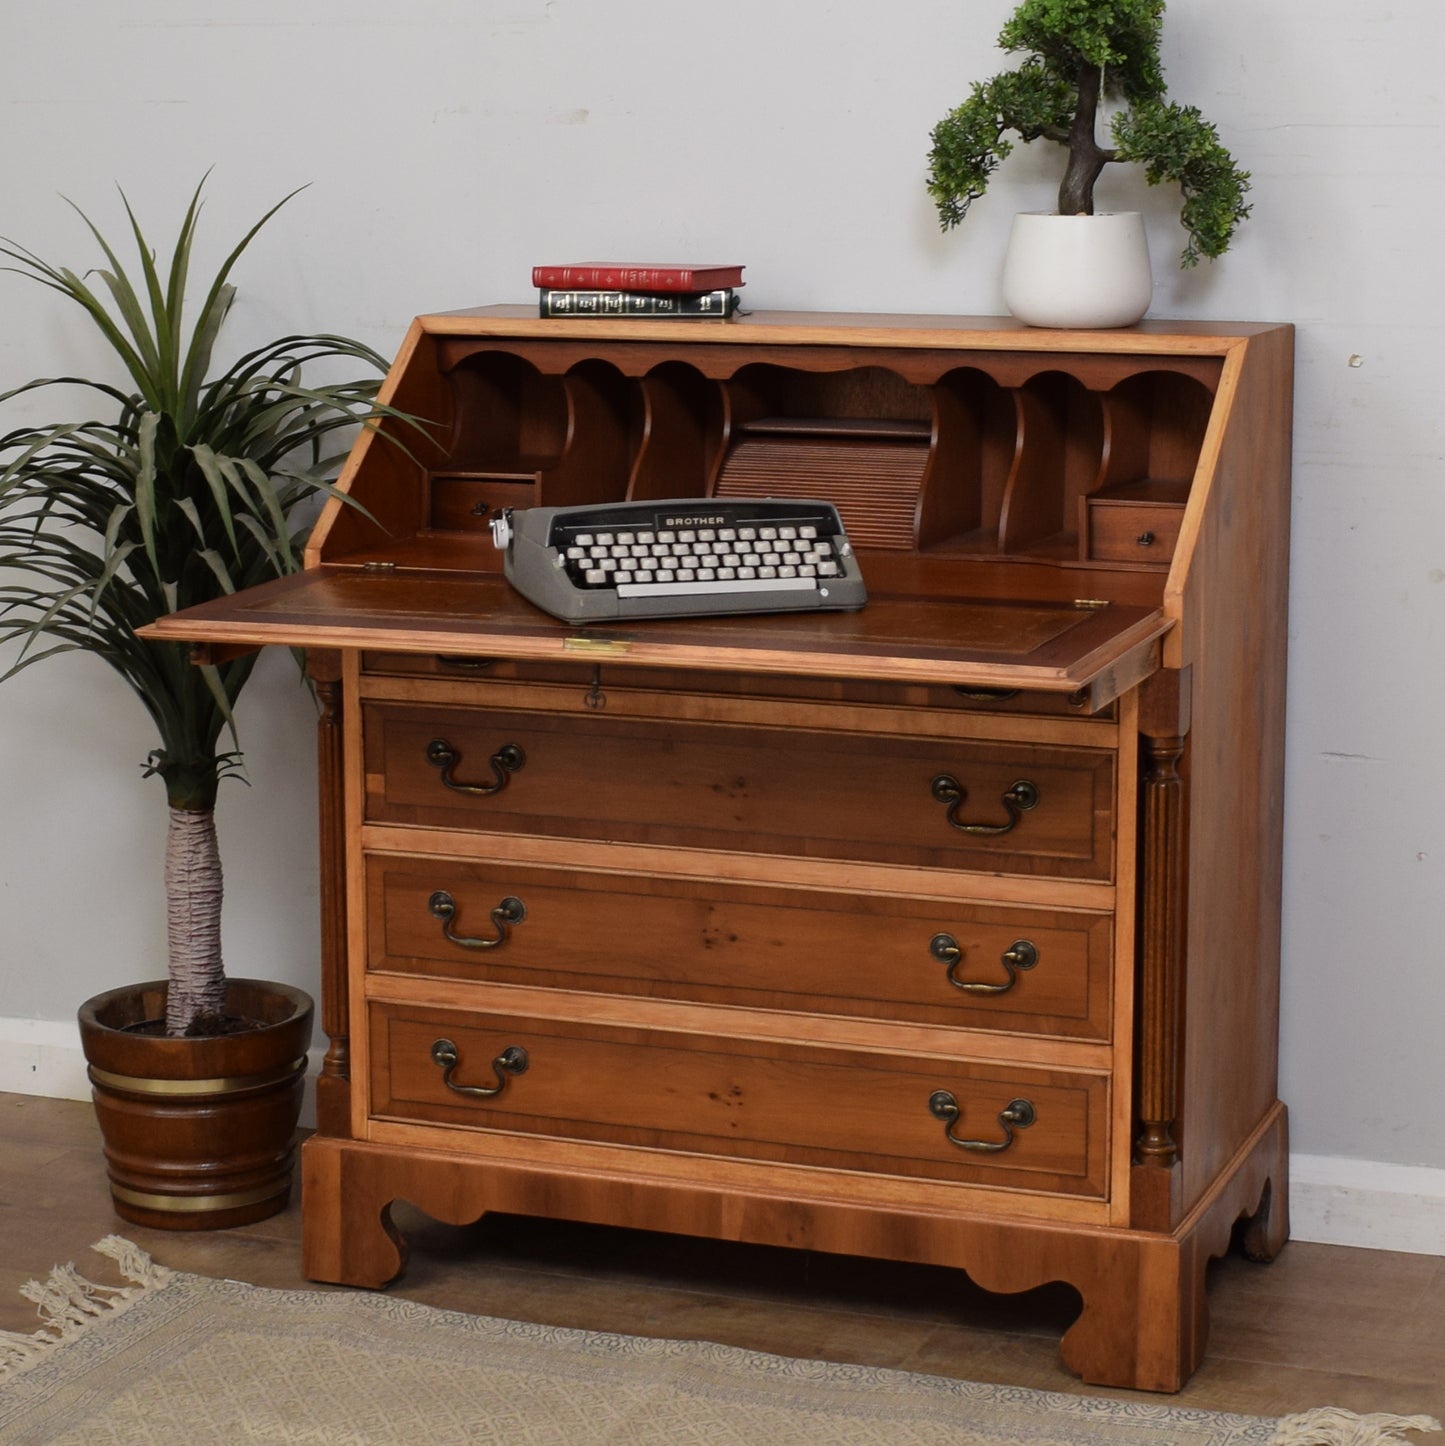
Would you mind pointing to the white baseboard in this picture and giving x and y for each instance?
(1333, 1201)
(43, 1057)
(1339, 1201)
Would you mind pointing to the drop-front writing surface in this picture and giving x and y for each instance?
(946, 930)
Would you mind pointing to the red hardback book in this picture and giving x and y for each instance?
(628, 276)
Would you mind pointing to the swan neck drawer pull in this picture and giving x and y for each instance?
(1016, 1115)
(1021, 954)
(512, 1061)
(510, 910)
(1017, 801)
(505, 762)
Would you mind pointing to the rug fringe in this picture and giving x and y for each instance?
(1330, 1426)
(67, 1303)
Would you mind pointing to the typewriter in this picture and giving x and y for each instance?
(679, 558)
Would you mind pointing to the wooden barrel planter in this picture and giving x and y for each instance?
(199, 1133)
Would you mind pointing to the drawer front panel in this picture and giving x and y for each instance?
(1005, 807)
(1134, 533)
(830, 1108)
(924, 961)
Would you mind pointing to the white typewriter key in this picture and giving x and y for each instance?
(827, 569)
(622, 576)
(648, 537)
(685, 574)
(595, 575)
(667, 537)
(626, 537)
(705, 574)
(576, 554)
(807, 531)
(747, 534)
(663, 574)
(768, 532)
(687, 535)
(605, 538)
(767, 572)
(643, 574)
(747, 572)
(787, 532)
(726, 574)
(787, 570)
(583, 539)
(727, 534)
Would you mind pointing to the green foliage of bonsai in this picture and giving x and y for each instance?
(1078, 53)
(183, 490)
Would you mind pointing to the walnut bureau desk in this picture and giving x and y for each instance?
(943, 931)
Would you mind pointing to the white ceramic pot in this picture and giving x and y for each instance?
(1078, 271)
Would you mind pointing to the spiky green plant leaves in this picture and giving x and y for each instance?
(186, 487)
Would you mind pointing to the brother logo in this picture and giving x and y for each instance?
(692, 521)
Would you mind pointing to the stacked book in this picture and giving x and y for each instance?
(601, 288)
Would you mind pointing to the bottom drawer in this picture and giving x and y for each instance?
(929, 1117)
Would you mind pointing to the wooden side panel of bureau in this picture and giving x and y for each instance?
(945, 931)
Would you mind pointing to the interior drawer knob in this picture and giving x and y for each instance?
(505, 762)
(512, 1061)
(1016, 1115)
(1017, 801)
(508, 911)
(1021, 954)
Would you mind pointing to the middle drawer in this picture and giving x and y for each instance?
(926, 802)
(927, 961)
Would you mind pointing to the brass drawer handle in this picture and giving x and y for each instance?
(1021, 797)
(1021, 954)
(505, 762)
(985, 695)
(512, 1060)
(510, 910)
(1016, 1115)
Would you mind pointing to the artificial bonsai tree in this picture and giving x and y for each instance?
(1077, 54)
(187, 489)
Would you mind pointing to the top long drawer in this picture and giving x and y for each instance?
(931, 803)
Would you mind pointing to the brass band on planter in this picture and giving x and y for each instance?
(140, 1086)
(196, 1204)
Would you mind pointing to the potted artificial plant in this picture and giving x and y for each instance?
(1076, 267)
(186, 490)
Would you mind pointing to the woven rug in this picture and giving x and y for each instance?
(177, 1358)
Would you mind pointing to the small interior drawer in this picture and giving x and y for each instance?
(844, 1109)
(801, 792)
(926, 961)
(1138, 522)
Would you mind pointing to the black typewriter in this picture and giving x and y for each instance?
(680, 558)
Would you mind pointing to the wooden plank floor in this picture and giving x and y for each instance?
(1322, 1325)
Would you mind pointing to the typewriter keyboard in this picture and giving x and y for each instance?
(671, 558)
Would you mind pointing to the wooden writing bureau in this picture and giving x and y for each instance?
(942, 931)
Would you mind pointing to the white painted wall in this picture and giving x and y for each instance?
(451, 143)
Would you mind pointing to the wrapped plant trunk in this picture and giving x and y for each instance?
(197, 991)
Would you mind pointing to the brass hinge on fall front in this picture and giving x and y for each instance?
(596, 647)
